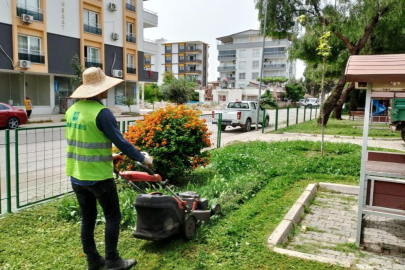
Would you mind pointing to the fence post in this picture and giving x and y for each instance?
(123, 127)
(296, 119)
(219, 130)
(305, 113)
(8, 174)
(276, 127)
(316, 110)
(17, 169)
(288, 116)
(310, 114)
(264, 120)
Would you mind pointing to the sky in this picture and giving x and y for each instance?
(204, 20)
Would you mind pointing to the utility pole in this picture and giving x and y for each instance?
(261, 69)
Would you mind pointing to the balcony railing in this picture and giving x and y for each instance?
(168, 61)
(193, 49)
(226, 68)
(147, 62)
(131, 38)
(31, 55)
(273, 66)
(182, 50)
(278, 53)
(229, 79)
(227, 57)
(150, 11)
(93, 28)
(181, 71)
(189, 70)
(37, 13)
(150, 75)
(181, 60)
(131, 69)
(91, 62)
(130, 5)
(193, 60)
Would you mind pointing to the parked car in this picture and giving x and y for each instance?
(302, 102)
(240, 113)
(11, 117)
(312, 102)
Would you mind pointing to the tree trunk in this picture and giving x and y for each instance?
(353, 100)
(339, 106)
(332, 100)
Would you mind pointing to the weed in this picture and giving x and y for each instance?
(314, 229)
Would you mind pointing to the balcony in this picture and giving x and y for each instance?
(193, 71)
(226, 68)
(181, 50)
(90, 62)
(227, 57)
(193, 50)
(131, 69)
(181, 71)
(181, 60)
(150, 76)
(150, 47)
(193, 61)
(131, 38)
(147, 62)
(130, 5)
(228, 79)
(37, 13)
(93, 28)
(31, 55)
(150, 19)
(274, 54)
(274, 66)
(167, 61)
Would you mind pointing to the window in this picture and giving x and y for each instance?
(181, 69)
(256, 52)
(222, 97)
(130, 28)
(92, 53)
(168, 58)
(242, 64)
(242, 86)
(30, 7)
(169, 48)
(181, 47)
(242, 53)
(181, 58)
(242, 76)
(255, 75)
(243, 40)
(255, 64)
(29, 3)
(253, 105)
(258, 39)
(4, 108)
(130, 60)
(168, 68)
(91, 24)
(29, 48)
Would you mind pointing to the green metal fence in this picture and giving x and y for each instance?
(282, 118)
(214, 125)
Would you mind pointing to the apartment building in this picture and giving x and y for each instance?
(41, 37)
(183, 58)
(240, 58)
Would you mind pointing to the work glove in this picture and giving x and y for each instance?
(148, 161)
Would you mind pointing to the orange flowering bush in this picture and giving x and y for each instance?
(174, 137)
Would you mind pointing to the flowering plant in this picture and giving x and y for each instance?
(174, 136)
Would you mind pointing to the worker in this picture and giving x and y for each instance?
(28, 106)
(91, 129)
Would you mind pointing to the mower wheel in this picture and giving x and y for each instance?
(215, 209)
(188, 227)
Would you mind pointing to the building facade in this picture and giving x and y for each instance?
(184, 59)
(41, 37)
(240, 58)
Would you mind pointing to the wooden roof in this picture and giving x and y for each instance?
(376, 68)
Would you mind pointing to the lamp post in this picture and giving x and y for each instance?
(261, 69)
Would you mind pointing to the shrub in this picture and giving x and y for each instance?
(174, 136)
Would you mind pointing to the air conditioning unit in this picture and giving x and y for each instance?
(112, 7)
(24, 64)
(25, 18)
(115, 36)
(117, 73)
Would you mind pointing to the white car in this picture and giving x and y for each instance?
(241, 113)
(302, 102)
(312, 102)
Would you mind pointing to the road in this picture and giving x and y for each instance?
(41, 157)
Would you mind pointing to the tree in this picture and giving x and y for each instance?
(77, 70)
(295, 91)
(168, 77)
(152, 93)
(178, 91)
(128, 101)
(267, 100)
(357, 27)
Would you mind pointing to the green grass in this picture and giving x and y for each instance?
(339, 127)
(256, 183)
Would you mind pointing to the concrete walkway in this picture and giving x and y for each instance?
(396, 144)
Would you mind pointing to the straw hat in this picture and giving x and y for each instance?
(95, 82)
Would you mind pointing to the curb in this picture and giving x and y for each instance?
(339, 136)
(353, 190)
(293, 217)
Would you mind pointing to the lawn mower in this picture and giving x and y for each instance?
(161, 216)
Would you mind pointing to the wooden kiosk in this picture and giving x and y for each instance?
(382, 175)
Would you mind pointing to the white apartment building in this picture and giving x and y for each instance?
(240, 58)
(183, 58)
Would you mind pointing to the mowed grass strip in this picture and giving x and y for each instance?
(256, 183)
(342, 128)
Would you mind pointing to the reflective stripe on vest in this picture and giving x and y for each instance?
(89, 151)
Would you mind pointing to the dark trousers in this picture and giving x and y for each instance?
(105, 192)
(29, 113)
